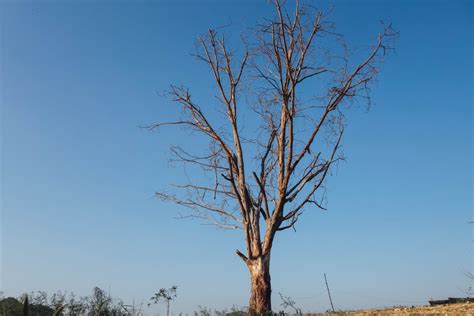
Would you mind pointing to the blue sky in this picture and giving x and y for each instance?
(78, 175)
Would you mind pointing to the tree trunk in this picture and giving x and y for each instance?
(260, 288)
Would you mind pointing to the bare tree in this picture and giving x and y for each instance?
(58, 302)
(165, 295)
(99, 302)
(41, 298)
(76, 306)
(261, 179)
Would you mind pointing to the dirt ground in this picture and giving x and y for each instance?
(451, 309)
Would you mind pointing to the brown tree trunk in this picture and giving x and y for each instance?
(260, 288)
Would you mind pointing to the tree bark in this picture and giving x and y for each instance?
(260, 289)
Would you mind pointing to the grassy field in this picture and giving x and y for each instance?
(452, 309)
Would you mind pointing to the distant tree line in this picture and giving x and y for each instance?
(99, 303)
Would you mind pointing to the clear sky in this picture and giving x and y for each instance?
(78, 175)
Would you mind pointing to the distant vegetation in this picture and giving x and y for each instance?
(98, 303)
(60, 303)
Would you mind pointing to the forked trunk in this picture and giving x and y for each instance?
(260, 290)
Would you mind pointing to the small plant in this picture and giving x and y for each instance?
(165, 295)
(203, 311)
(288, 302)
(234, 311)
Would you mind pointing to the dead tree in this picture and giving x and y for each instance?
(260, 179)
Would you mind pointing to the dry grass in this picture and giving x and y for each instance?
(451, 309)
